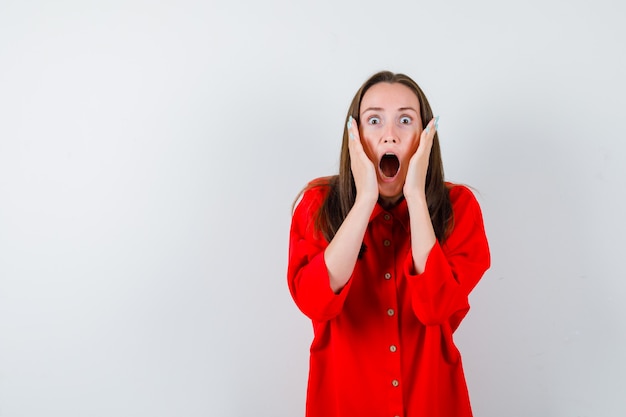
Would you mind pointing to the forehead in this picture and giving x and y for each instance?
(389, 96)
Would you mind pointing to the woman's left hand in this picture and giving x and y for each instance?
(415, 183)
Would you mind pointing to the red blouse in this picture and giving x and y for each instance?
(383, 346)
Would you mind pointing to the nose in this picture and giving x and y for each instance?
(390, 135)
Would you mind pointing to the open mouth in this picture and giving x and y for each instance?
(389, 165)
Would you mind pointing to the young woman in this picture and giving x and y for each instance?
(382, 258)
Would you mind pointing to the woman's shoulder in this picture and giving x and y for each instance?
(461, 196)
(321, 184)
(313, 195)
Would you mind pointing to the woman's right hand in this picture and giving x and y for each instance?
(363, 170)
(342, 252)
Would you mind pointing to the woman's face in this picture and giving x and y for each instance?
(390, 127)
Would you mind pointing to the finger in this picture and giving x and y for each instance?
(428, 134)
(431, 127)
(353, 129)
(349, 124)
(354, 139)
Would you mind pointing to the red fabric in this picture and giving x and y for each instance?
(383, 346)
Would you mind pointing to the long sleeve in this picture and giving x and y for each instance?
(307, 273)
(440, 293)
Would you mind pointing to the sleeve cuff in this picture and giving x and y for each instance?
(321, 303)
(436, 271)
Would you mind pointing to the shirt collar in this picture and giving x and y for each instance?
(399, 212)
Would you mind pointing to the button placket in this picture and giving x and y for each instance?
(387, 239)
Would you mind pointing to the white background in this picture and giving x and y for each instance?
(150, 153)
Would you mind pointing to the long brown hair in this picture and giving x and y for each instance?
(342, 189)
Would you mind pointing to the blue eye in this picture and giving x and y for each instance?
(373, 120)
(405, 120)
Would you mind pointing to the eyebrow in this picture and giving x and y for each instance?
(381, 109)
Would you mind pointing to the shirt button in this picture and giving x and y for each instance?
(395, 383)
(387, 275)
(386, 242)
(387, 217)
(393, 348)
(390, 312)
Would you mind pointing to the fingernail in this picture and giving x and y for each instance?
(437, 122)
(350, 122)
(427, 129)
(351, 135)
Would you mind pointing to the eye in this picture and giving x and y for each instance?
(405, 120)
(373, 120)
